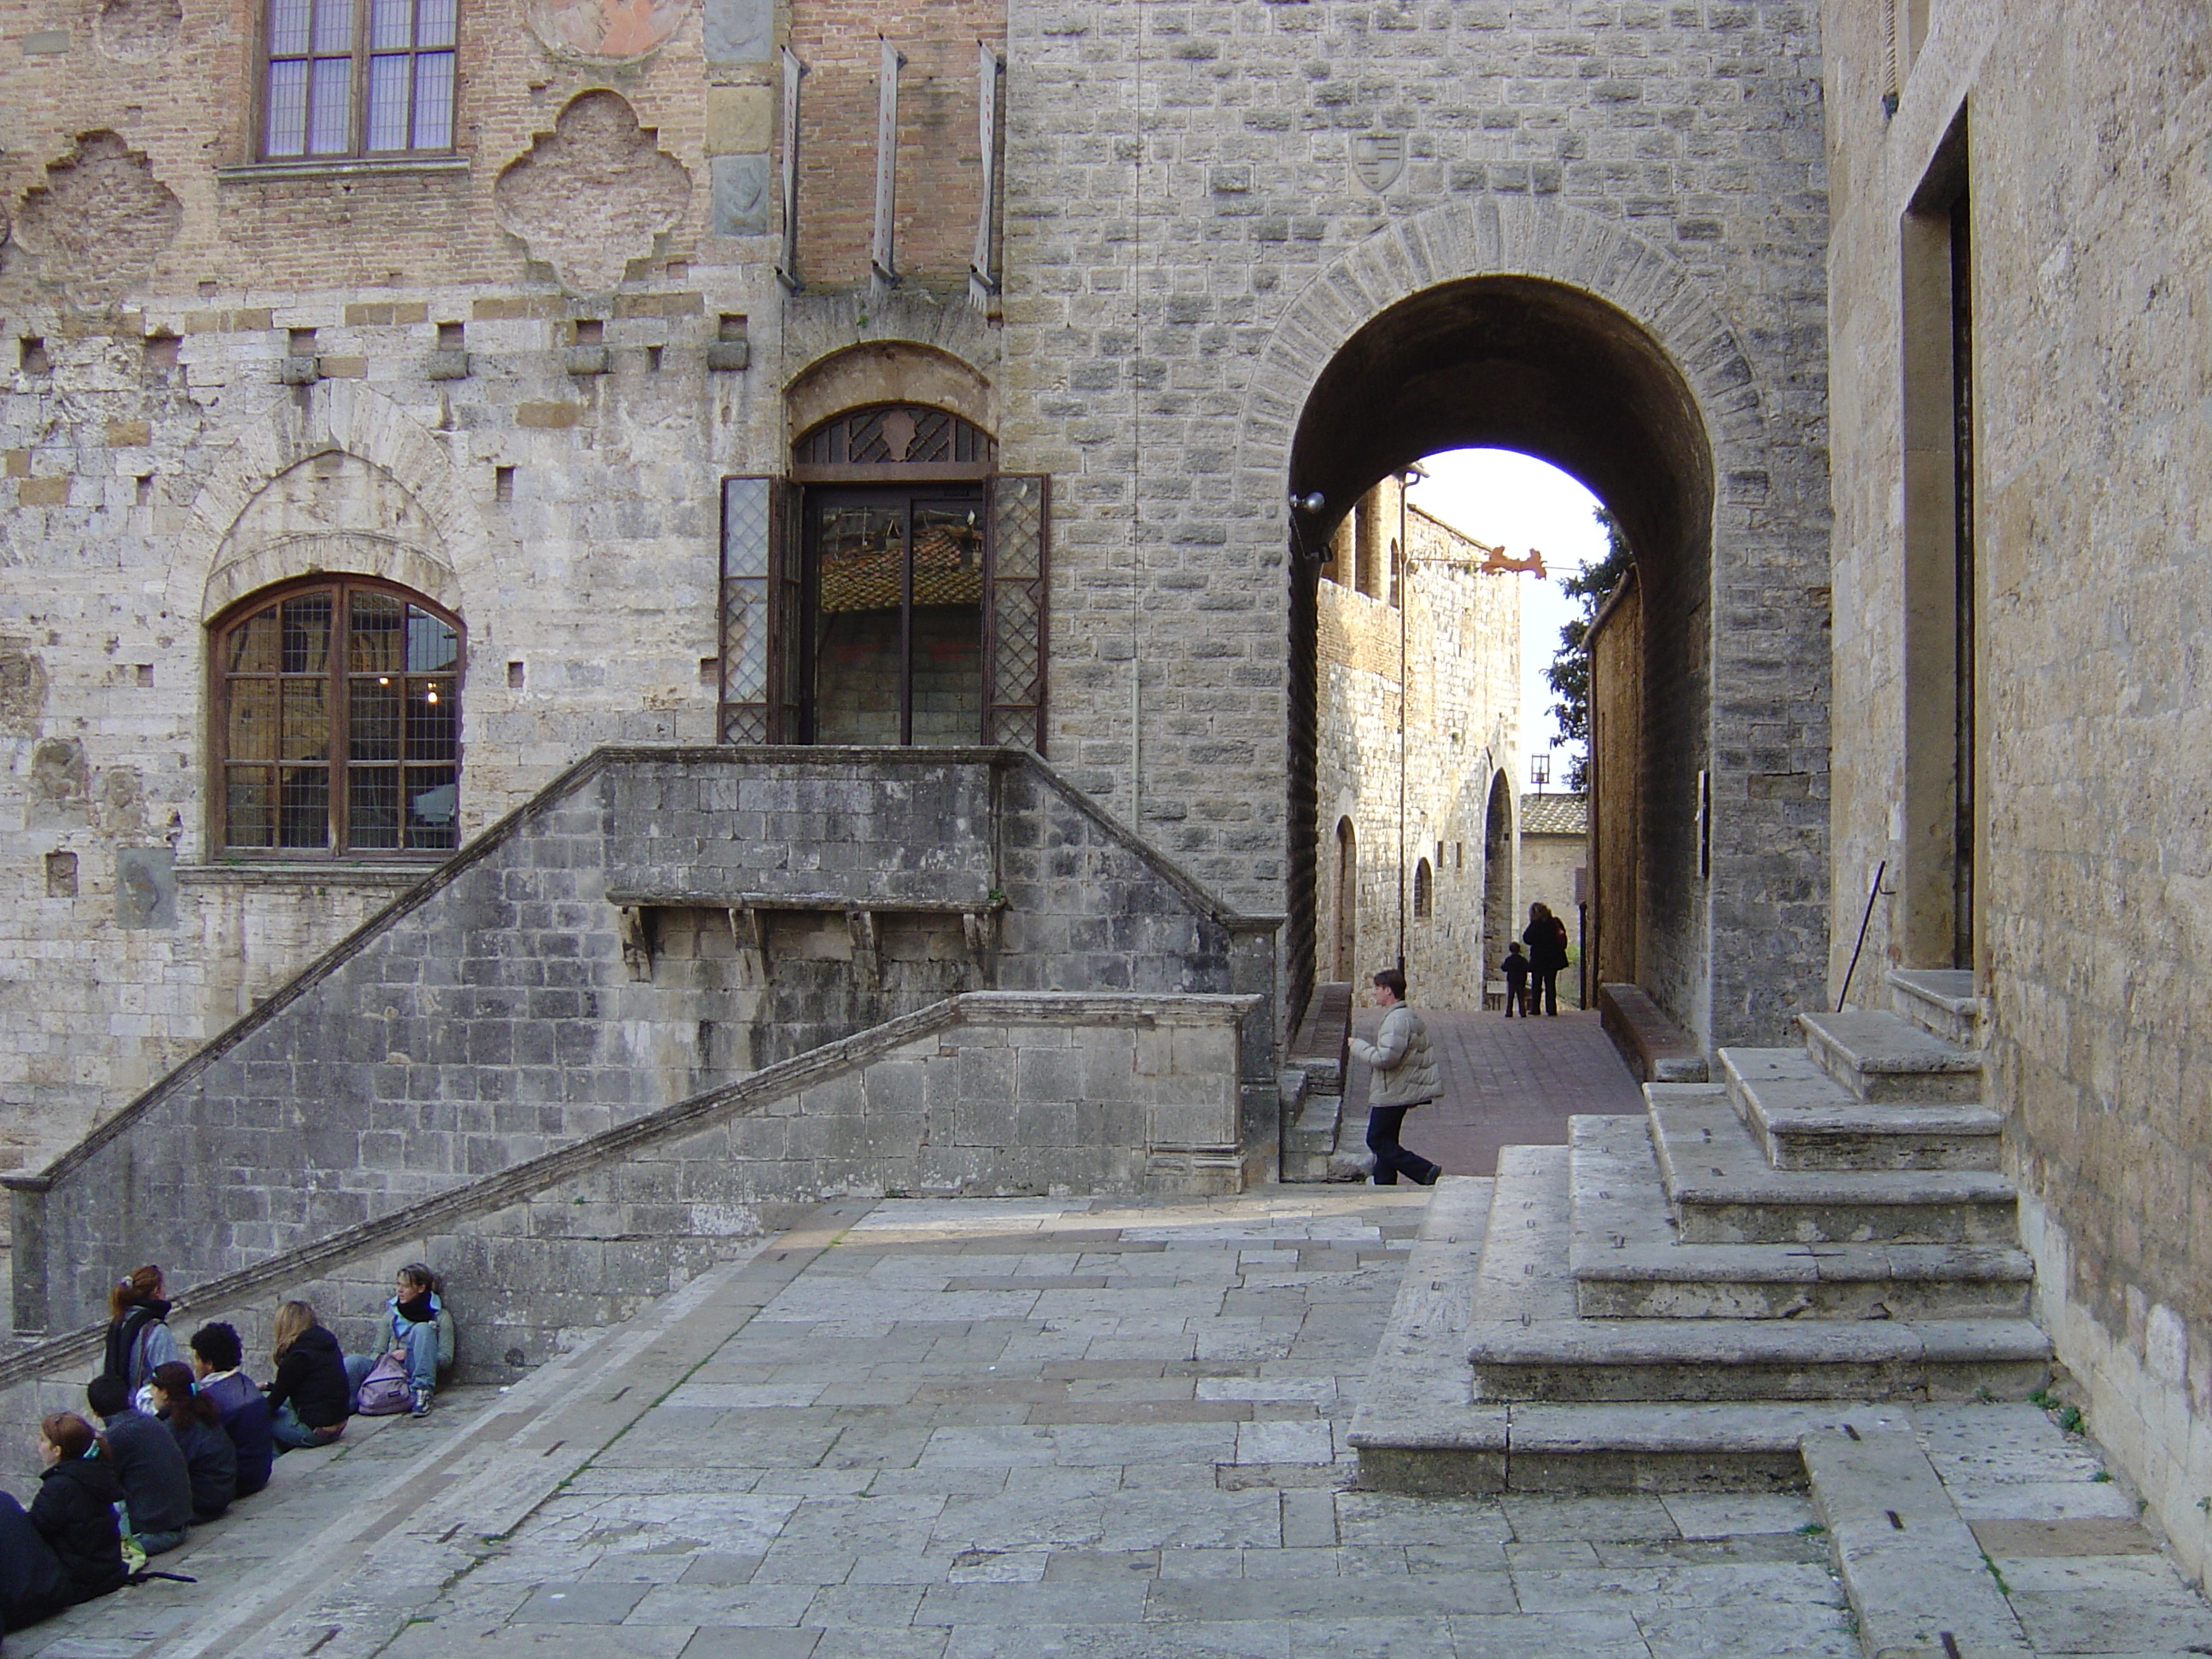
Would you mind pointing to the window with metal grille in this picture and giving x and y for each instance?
(337, 723)
(358, 78)
(893, 590)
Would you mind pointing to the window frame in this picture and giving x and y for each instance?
(359, 55)
(341, 585)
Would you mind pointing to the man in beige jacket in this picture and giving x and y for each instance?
(1402, 1074)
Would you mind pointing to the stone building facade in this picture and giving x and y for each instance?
(1554, 864)
(1420, 854)
(553, 330)
(2020, 271)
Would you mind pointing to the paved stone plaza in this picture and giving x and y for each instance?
(994, 1427)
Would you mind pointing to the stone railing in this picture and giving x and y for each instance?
(653, 925)
(987, 1094)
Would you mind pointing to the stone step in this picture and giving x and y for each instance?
(1915, 1576)
(1627, 1260)
(1311, 1123)
(1879, 1056)
(1763, 1359)
(1938, 1000)
(1724, 1192)
(1803, 1118)
(1524, 1271)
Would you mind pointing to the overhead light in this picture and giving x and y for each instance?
(1313, 501)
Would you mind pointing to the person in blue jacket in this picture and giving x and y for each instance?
(411, 1319)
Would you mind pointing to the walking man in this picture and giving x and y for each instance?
(1403, 1075)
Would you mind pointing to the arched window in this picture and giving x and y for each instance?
(1424, 883)
(337, 720)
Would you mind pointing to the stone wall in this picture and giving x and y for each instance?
(652, 926)
(982, 1095)
(537, 357)
(1462, 639)
(2087, 142)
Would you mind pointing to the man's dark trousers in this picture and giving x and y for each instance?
(1392, 1160)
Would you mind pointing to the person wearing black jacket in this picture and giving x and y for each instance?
(67, 1549)
(1546, 936)
(209, 1458)
(308, 1398)
(157, 1483)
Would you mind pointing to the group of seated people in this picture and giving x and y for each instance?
(179, 1443)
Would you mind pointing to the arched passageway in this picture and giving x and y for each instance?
(1552, 371)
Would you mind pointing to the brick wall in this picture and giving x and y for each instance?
(939, 184)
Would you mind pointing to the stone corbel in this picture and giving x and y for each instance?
(981, 930)
(749, 934)
(867, 947)
(638, 940)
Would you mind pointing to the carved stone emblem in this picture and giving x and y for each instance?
(606, 31)
(592, 194)
(1378, 158)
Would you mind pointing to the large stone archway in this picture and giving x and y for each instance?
(1538, 327)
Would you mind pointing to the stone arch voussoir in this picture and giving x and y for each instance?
(351, 418)
(1547, 239)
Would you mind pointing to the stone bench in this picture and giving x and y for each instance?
(1656, 1050)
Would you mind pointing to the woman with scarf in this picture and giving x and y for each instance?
(411, 1321)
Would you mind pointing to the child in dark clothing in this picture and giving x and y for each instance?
(1516, 969)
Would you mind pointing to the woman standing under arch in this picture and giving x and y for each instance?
(1546, 936)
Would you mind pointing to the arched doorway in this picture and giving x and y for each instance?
(1552, 371)
(1344, 945)
(1497, 870)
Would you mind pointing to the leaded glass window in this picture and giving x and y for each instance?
(338, 724)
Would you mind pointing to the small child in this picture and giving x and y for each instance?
(1516, 969)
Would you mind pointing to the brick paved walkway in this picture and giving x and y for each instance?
(1507, 1082)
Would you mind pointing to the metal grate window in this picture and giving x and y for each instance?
(359, 77)
(892, 434)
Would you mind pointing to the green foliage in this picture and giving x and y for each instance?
(2069, 1419)
(1569, 674)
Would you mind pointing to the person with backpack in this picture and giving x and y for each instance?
(210, 1458)
(217, 1356)
(139, 1336)
(149, 1465)
(1546, 936)
(418, 1333)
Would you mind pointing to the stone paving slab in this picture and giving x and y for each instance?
(752, 1469)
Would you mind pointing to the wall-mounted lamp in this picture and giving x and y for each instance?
(1312, 502)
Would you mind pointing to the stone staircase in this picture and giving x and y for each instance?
(1680, 1300)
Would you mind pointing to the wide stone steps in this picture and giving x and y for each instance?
(1879, 1056)
(1724, 1191)
(1732, 1359)
(1676, 1302)
(1803, 1118)
(1627, 1262)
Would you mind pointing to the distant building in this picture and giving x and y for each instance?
(1448, 874)
(1554, 849)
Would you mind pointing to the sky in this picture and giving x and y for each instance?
(1498, 496)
